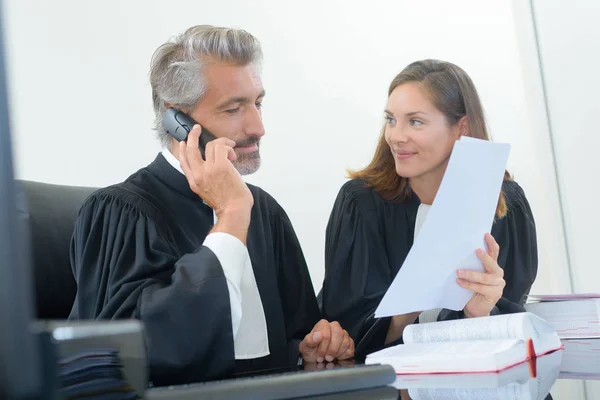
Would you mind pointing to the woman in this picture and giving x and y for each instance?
(379, 212)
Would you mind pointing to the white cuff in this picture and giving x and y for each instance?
(232, 255)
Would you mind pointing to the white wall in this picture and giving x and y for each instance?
(569, 39)
(79, 84)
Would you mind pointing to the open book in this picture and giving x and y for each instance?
(487, 344)
(527, 381)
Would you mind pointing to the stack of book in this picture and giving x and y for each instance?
(576, 318)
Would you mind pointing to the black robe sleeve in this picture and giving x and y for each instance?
(300, 307)
(357, 271)
(122, 258)
(517, 238)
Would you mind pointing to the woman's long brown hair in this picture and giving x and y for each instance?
(454, 94)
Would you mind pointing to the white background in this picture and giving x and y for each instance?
(569, 39)
(569, 42)
(82, 110)
(83, 115)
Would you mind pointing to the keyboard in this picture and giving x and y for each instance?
(286, 385)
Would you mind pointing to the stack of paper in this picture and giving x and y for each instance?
(581, 359)
(574, 316)
(94, 374)
(562, 297)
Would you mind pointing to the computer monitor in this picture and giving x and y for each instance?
(20, 357)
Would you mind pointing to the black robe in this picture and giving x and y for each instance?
(368, 239)
(137, 253)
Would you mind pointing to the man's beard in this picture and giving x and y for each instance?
(247, 163)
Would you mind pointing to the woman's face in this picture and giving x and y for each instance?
(418, 134)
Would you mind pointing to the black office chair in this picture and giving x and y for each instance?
(52, 213)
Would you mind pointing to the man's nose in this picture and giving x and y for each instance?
(254, 123)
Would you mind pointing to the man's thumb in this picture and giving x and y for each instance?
(312, 340)
(316, 339)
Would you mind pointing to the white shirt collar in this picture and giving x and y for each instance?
(172, 160)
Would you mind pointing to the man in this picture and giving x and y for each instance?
(211, 265)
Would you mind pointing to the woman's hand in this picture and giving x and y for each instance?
(488, 286)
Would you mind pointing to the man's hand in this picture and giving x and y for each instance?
(327, 342)
(217, 182)
(315, 366)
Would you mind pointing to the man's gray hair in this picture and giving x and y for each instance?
(176, 69)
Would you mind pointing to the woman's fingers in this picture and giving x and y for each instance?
(493, 247)
(491, 265)
(493, 293)
(479, 277)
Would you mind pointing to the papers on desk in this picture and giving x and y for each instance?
(562, 297)
(462, 212)
(581, 360)
(578, 318)
(94, 374)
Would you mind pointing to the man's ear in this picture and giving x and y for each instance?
(463, 127)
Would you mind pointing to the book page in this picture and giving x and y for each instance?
(548, 368)
(437, 351)
(544, 336)
(452, 357)
(516, 375)
(508, 326)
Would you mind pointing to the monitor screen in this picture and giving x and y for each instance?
(20, 367)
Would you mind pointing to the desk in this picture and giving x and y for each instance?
(573, 373)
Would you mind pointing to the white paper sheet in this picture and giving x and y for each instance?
(462, 212)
